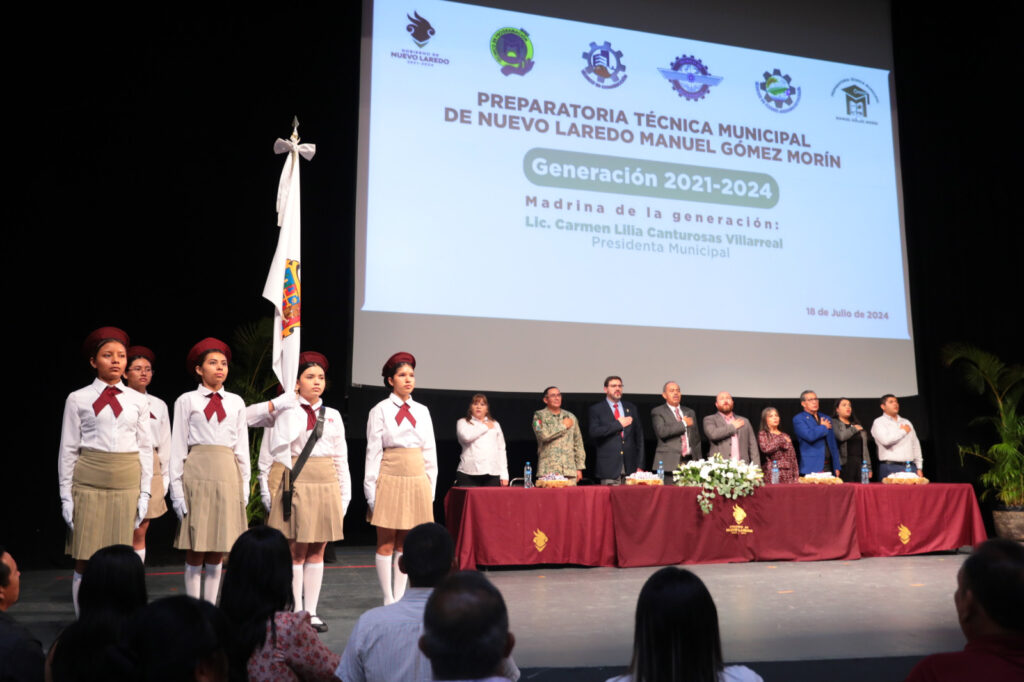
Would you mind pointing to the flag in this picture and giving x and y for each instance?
(283, 287)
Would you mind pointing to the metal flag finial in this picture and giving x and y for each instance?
(295, 128)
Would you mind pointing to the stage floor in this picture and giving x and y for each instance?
(583, 617)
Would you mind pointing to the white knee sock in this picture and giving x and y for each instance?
(400, 579)
(384, 576)
(211, 583)
(312, 579)
(297, 586)
(193, 574)
(76, 582)
(142, 554)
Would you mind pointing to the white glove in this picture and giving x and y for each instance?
(285, 401)
(265, 496)
(179, 508)
(67, 510)
(143, 508)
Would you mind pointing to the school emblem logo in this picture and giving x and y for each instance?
(903, 533)
(604, 66)
(420, 29)
(777, 92)
(690, 78)
(291, 300)
(540, 540)
(738, 515)
(513, 49)
(857, 97)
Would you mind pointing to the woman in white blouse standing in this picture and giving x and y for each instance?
(106, 459)
(483, 462)
(401, 469)
(322, 489)
(209, 468)
(138, 377)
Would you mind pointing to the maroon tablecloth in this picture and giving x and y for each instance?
(516, 526)
(654, 526)
(914, 519)
(664, 525)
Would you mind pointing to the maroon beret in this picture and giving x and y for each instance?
(142, 352)
(401, 358)
(209, 343)
(93, 341)
(315, 358)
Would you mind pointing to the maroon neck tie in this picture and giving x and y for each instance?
(108, 397)
(685, 445)
(310, 417)
(214, 407)
(615, 413)
(404, 413)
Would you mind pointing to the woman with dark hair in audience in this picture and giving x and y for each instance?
(401, 470)
(852, 440)
(106, 459)
(175, 639)
(269, 640)
(138, 375)
(113, 589)
(483, 462)
(776, 447)
(676, 637)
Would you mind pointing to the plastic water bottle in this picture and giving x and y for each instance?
(865, 472)
(907, 468)
(527, 476)
(661, 469)
(775, 472)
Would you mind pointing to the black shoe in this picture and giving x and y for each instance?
(318, 624)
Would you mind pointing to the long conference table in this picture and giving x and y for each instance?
(663, 525)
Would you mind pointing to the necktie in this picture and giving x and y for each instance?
(310, 417)
(214, 407)
(404, 413)
(615, 413)
(108, 397)
(685, 445)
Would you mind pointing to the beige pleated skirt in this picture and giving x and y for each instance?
(317, 514)
(213, 496)
(403, 491)
(157, 505)
(105, 492)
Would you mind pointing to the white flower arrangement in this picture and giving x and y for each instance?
(718, 476)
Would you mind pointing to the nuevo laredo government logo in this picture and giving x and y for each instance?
(420, 29)
(690, 78)
(777, 92)
(512, 48)
(604, 66)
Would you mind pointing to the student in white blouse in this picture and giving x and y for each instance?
(401, 469)
(105, 461)
(483, 462)
(322, 490)
(209, 468)
(138, 376)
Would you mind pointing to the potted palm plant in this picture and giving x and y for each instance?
(985, 374)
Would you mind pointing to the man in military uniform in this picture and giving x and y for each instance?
(559, 441)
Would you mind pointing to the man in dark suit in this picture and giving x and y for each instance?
(676, 429)
(729, 435)
(618, 437)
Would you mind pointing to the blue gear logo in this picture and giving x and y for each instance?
(604, 66)
(777, 92)
(690, 78)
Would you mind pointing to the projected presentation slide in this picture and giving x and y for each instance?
(572, 172)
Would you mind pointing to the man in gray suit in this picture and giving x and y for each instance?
(676, 429)
(730, 436)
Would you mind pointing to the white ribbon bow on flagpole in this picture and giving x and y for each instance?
(307, 151)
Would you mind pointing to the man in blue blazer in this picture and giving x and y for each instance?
(817, 442)
(617, 434)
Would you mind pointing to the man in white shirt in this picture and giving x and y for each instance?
(383, 644)
(896, 439)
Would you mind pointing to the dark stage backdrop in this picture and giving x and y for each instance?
(145, 198)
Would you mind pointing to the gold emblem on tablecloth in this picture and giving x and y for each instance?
(540, 540)
(738, 514)
(904, 533)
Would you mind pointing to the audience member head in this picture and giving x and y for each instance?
(769, 419)
(990, 590)
(10, 580)
(676, 633)
(428, 555)
(257, 584)
(175, 639)
(465, 628)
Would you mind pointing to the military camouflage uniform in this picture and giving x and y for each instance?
(559, 450)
